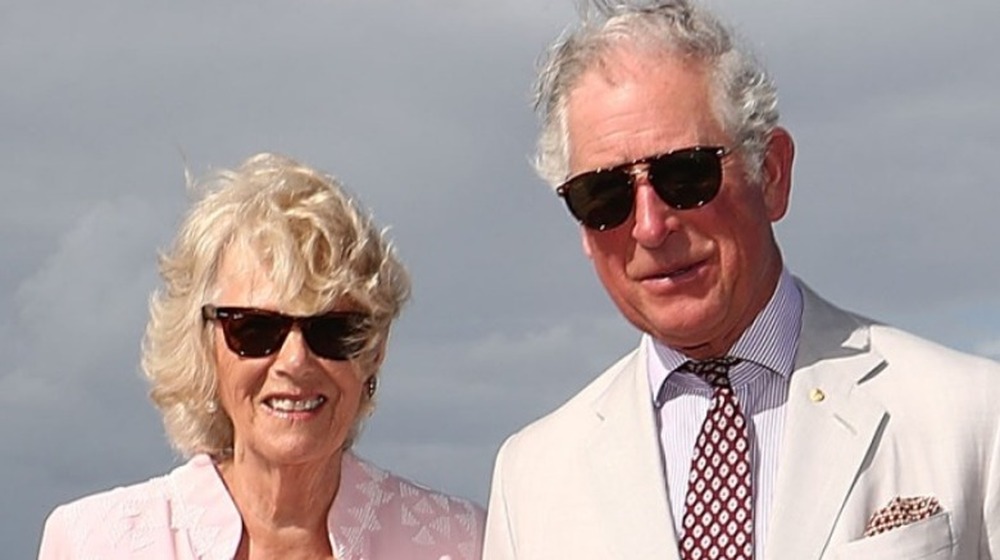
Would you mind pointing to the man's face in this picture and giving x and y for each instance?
(694, 279)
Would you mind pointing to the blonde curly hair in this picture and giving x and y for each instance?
(317, 243)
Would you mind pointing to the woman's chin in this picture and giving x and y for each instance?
(295, 451)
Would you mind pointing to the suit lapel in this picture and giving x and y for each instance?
(623, 455)
(831, 428)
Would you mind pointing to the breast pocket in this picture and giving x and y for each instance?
(927, 539)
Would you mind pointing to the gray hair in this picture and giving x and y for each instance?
(320, 245)
(744, 96)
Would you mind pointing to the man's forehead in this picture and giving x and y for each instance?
(629, 76)
(637, 105)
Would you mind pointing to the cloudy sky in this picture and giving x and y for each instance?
(422, 108)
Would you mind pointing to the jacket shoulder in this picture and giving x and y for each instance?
(552, 435)
(901, 346)
(581, 404)
(828, 329)
(121, 519)
(393, 517)
(965, 385)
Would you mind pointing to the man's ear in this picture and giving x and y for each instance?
(776, 173)
(585, 241)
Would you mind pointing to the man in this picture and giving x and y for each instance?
(754, 420)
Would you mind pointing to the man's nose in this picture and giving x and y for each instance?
(653, 218)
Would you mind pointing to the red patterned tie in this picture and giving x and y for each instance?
(718, 511)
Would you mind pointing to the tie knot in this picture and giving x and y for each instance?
(715, 371)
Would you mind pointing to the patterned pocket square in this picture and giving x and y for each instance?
(900, 512)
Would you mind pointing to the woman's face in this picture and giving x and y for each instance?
(289, 408)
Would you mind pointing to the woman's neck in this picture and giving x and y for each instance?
(284, 507)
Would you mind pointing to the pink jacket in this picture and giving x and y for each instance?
(188, 514)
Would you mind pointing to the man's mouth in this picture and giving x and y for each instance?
(677, 273)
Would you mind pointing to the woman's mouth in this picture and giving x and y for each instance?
(289, 405)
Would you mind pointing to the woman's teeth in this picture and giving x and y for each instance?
(295, 405)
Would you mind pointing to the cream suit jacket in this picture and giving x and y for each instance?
(900, 416)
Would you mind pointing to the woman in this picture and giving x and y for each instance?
(263, 351)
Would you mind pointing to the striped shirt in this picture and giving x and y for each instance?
(760, 381)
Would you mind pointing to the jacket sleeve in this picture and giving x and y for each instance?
(55, 538)
(499, 543)
(991, 509)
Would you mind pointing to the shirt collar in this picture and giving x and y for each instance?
(770, 341)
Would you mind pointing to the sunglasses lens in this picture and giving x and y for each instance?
(688, 178)
(335, 336)
(254, 335)
(683, 179)
(600, 200)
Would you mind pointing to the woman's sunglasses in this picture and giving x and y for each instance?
(683, 179)
(256, 333)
